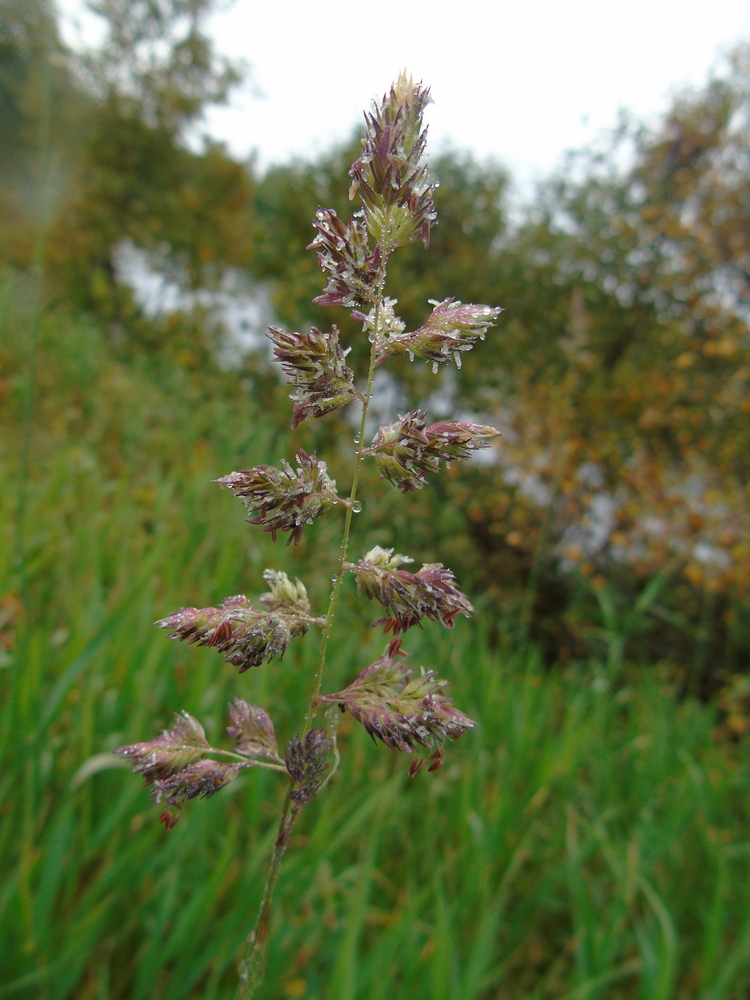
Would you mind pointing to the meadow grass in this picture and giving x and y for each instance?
(589, 840)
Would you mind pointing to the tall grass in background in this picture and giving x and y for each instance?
(591, 841)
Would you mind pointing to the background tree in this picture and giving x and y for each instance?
(630, 395)
(621, 364)
(42, 111)
(125, 173)
(621, 361)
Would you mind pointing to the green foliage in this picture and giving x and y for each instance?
(592, 845)
(619, 376)
(620, 372)
(631, 388)
(187, 211)
(98, 143)
(156, 55)
(592, 842)
(42, 123)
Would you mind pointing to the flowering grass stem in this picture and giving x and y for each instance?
(253, 964)
(404, 708)
(333, 603)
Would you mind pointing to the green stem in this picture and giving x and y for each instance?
(253, 965)
(333, 603)
(253, 761)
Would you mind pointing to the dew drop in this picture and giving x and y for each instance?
(356, 438)
(434, 367)
(356, 507)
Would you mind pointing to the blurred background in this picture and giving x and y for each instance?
(590, 839)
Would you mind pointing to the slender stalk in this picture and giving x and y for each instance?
(347, 525)
(394, 213)
(252, 967)
(254, 762)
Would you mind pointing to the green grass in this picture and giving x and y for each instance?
(588, 841)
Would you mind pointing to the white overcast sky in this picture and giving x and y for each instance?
(520, 82)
